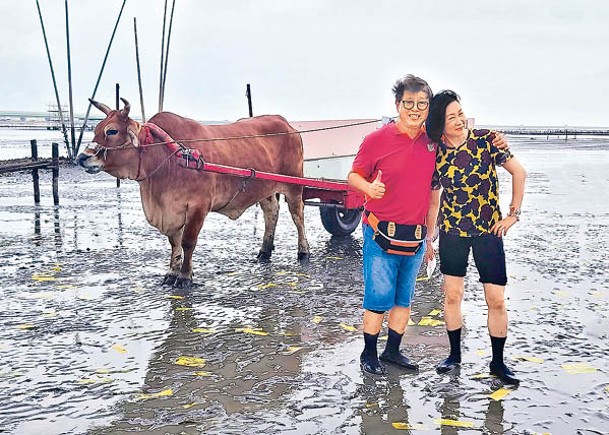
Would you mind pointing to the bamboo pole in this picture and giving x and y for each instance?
(139, 74)
(162, 58)
(167, 54)
(71, 103)
(99, 77)
(61, 120)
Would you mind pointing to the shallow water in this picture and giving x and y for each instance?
(90, 342)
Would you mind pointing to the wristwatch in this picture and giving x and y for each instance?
(514, 212)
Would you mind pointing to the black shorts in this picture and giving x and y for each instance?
(489, 256)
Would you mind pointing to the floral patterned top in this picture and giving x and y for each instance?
(470, 201)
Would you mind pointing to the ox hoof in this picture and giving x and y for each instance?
(263, 257)
(183, 283)
(303, 256)
(169, 279)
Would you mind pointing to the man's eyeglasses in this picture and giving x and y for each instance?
(409, 104)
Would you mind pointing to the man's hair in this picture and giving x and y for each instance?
(410, 83)
(436, 120)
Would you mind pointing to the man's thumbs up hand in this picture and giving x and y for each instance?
(376, 189)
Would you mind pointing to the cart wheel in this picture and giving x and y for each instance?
(340, 221)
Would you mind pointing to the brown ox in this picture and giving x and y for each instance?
(176, 200)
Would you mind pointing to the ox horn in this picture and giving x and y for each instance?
(100, 106)
(126, 109)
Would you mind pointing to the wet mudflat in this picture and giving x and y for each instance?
(90, 342)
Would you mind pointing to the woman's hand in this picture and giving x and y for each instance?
(500, 142)
(501, 228)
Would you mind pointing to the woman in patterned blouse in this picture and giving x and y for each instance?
(470, 219)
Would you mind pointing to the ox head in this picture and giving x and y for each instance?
(114, 148)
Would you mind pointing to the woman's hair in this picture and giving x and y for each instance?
(412, 84)
(437, 113)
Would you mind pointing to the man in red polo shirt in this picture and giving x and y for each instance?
(393, 168)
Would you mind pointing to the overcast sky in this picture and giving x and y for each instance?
(531, 62)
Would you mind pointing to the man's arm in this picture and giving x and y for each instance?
(374, 190)
(431, 221)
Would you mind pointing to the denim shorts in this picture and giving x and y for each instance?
(489, 256)
(389, 279)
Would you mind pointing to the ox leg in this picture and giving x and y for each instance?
(194, 223)
(270, 209)
(175, 240)
(296, 207)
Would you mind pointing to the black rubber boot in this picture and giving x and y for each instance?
(497, 366)
(392, 353)
(370, 364)
(504, 373)
(454, 359)
(400, 360)
(369, 360)
(448, 365)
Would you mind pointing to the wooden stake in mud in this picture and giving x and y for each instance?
(55, 165)
(35, 176)
(34, 165)
(118, 96)
(248, 94)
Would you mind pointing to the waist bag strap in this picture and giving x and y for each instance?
(373, 221)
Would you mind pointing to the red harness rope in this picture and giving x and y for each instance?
(190, 158)
(176, 148)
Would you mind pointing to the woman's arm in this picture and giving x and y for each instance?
(519, 175)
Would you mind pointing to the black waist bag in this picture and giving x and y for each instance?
(397, 238)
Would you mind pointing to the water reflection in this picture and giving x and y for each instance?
(57, 228)
(39, 219)
(36, 220)
(244, 356)
(493, 421)
(119, 215)
(450, 409)
(385, 401)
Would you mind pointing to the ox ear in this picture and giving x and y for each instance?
(133, 136)
(126, 109)
(100, 106)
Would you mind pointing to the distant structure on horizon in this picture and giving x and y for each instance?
(48, 120)
(54, 120)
